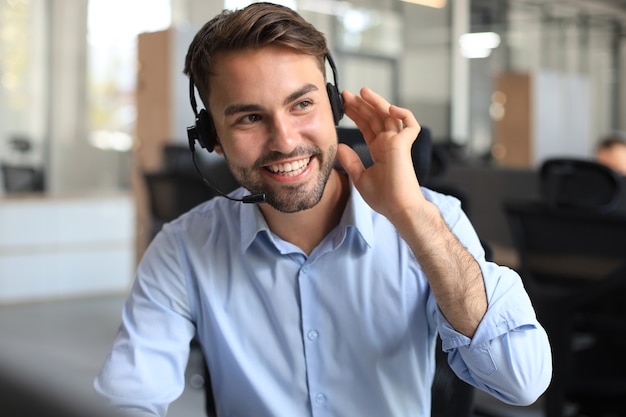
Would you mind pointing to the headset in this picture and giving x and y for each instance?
(203, 131)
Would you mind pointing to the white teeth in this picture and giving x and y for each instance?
(290, 169)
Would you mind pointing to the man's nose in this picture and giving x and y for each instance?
(283, 134)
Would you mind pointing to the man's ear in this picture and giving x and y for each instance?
(218, 148)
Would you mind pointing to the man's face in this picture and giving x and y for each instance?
(274, 123)
(614, 157)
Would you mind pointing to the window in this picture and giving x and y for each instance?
(23, 95)
(113, 26)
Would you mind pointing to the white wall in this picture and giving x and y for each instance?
(561, 114)
(65, 246)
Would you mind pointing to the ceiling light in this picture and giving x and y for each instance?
(438, 4)
(478, 45)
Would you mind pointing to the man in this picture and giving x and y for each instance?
(611, 151)
(326, 299)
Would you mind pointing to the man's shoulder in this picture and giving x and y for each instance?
(442, 200)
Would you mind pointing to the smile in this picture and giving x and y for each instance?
(290, 169)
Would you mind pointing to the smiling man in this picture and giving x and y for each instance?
(283, 141)
(327, 298)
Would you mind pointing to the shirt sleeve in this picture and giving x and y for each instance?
(509, 356)
(145, 370)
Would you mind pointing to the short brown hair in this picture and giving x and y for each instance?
(615, 138)
(256, 26)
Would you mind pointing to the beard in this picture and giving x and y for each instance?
(288, 198)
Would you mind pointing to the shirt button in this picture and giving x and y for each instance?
(313, 334)
(305, 269)
(320, 398)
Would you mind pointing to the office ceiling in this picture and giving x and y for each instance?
(591, 6)
(615, 9)
(495, 12)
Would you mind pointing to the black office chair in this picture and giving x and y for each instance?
(178, 187)
(572, 252)
(171, 194)
(22, 179)
(579, 185)
(176, 158)
(440, 162)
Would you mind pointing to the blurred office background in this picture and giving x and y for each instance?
(69, 72)
(87, 104)
(86, 110)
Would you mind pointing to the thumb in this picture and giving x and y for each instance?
(350, 162)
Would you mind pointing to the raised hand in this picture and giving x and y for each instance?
(389, 186)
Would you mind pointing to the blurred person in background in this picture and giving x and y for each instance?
(611, 151)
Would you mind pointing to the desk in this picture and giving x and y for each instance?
(65, 246)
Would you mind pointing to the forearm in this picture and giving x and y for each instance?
(453, 274)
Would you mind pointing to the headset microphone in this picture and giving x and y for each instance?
(252, 198)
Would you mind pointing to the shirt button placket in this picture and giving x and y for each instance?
(312, 336)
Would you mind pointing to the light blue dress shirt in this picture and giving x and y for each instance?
(348, 330)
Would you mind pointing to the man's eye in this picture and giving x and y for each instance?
(249, 118)
(304, 104)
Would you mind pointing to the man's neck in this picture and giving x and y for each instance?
(307, 228)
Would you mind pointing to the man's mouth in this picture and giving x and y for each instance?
(289, 169)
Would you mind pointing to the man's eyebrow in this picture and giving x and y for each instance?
(232, 109)
(241, 108)
(299, 93)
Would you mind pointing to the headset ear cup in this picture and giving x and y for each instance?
(207, 136)
(336, 102)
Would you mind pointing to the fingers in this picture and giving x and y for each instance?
(368, 115)
(373, 114)
(406, 117)
(357, 110)
(350, 161)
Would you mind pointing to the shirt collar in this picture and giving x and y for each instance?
(252, 224)
(358, 216)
